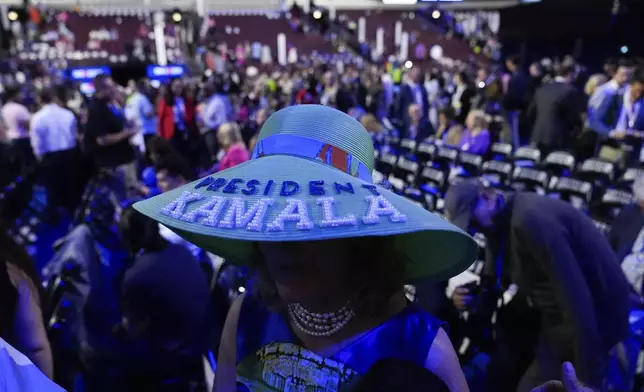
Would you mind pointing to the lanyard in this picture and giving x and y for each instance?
(630, 112)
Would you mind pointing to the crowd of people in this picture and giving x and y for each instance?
(249, 227)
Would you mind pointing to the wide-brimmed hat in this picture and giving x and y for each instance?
(310, 178)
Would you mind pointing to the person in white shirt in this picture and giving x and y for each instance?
(217, 111)
(16, 127)
(140, 112)
(603, 113)
(53, 140)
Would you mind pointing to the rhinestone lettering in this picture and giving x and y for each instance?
(328, 214)
(209, 211)
(379, 206)
(295, 211)
(176, 207)
(238, 218)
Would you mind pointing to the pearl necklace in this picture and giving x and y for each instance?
(320, 324)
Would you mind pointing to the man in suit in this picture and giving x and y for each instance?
(603, 112)
(419, 128)
(515, 98)
(565, 267)
(556, 113)
(412, 92)
(630, 121)
(462, 97)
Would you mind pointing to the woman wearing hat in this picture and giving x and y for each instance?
(332, 253)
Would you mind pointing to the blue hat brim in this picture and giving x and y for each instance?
(430, 246)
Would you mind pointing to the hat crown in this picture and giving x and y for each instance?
(324, 124)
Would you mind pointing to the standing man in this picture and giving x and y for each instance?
(16, 119)
(603, 112)
(555, 112)
(140, 111)
(108, 141)
(412, 92)
(564, 266)
(630, 123)
(217, 111)
(53, 139)
(515, 98)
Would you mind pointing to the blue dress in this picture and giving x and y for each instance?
(269, 357)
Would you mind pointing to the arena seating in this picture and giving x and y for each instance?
(423, 172)
(414, 24)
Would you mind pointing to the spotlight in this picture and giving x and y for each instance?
(624, 49)
(408, 64)
(241, 289)
(176, 17)
(317, 14)
(436, 14)
(12, 16)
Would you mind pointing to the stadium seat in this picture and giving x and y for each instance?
(496, 172)
(432, 181)
(445, 157)
(407, 147)
(470, 163)
(625, 182)
(579, 193)
(501, 151)
(393, 142)
(406, 170)
(599, 172)
(529, 179)
(559, 164)
(386, 164)
(425, 152)
(610, 205)
(526, 156)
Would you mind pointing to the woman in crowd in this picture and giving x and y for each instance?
(449, 131)
(21, 301)
(332, 252)
(231, 143)
(476, 137)
(176, 117)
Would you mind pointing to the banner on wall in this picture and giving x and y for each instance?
(87, 74)
(164, 73)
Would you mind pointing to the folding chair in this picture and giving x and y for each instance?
(496, 172)
(599, 172)
(501, 151)
(527, 157)
(530, 180)
(425, 152)
(577, 192)
(559, 164)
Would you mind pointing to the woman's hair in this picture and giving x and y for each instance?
(252, 143)
(371, 123)
(169, 94)
(229, 134)
(381, 273)
(480, 119)
(13, 253)
(140, 233)
(593, 82)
